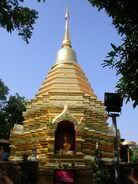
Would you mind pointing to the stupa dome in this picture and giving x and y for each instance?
(66, 55)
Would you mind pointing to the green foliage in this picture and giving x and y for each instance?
(13, 16)
(11, 108)
(14, 108)
(123, 58)
(102, 175)
(3, 91)
(134, 157)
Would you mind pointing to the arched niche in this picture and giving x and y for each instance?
(65, 134)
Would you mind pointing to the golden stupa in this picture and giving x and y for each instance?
(65, 121)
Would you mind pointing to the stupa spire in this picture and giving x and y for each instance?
(66, 41)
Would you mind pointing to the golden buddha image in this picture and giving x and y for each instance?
(66, 147)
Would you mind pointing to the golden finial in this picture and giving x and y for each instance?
(66, 40)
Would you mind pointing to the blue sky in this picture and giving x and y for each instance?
(23, 66)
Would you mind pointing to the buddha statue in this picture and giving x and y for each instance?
(66, 147)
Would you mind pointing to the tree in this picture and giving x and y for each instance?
(11, 108)
(124, 58)
(3, 91)
(134, 157)
(102, 175)
(13, 16)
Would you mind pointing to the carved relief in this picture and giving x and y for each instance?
(65, 116)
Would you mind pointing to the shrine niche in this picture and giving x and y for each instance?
(65, 138)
